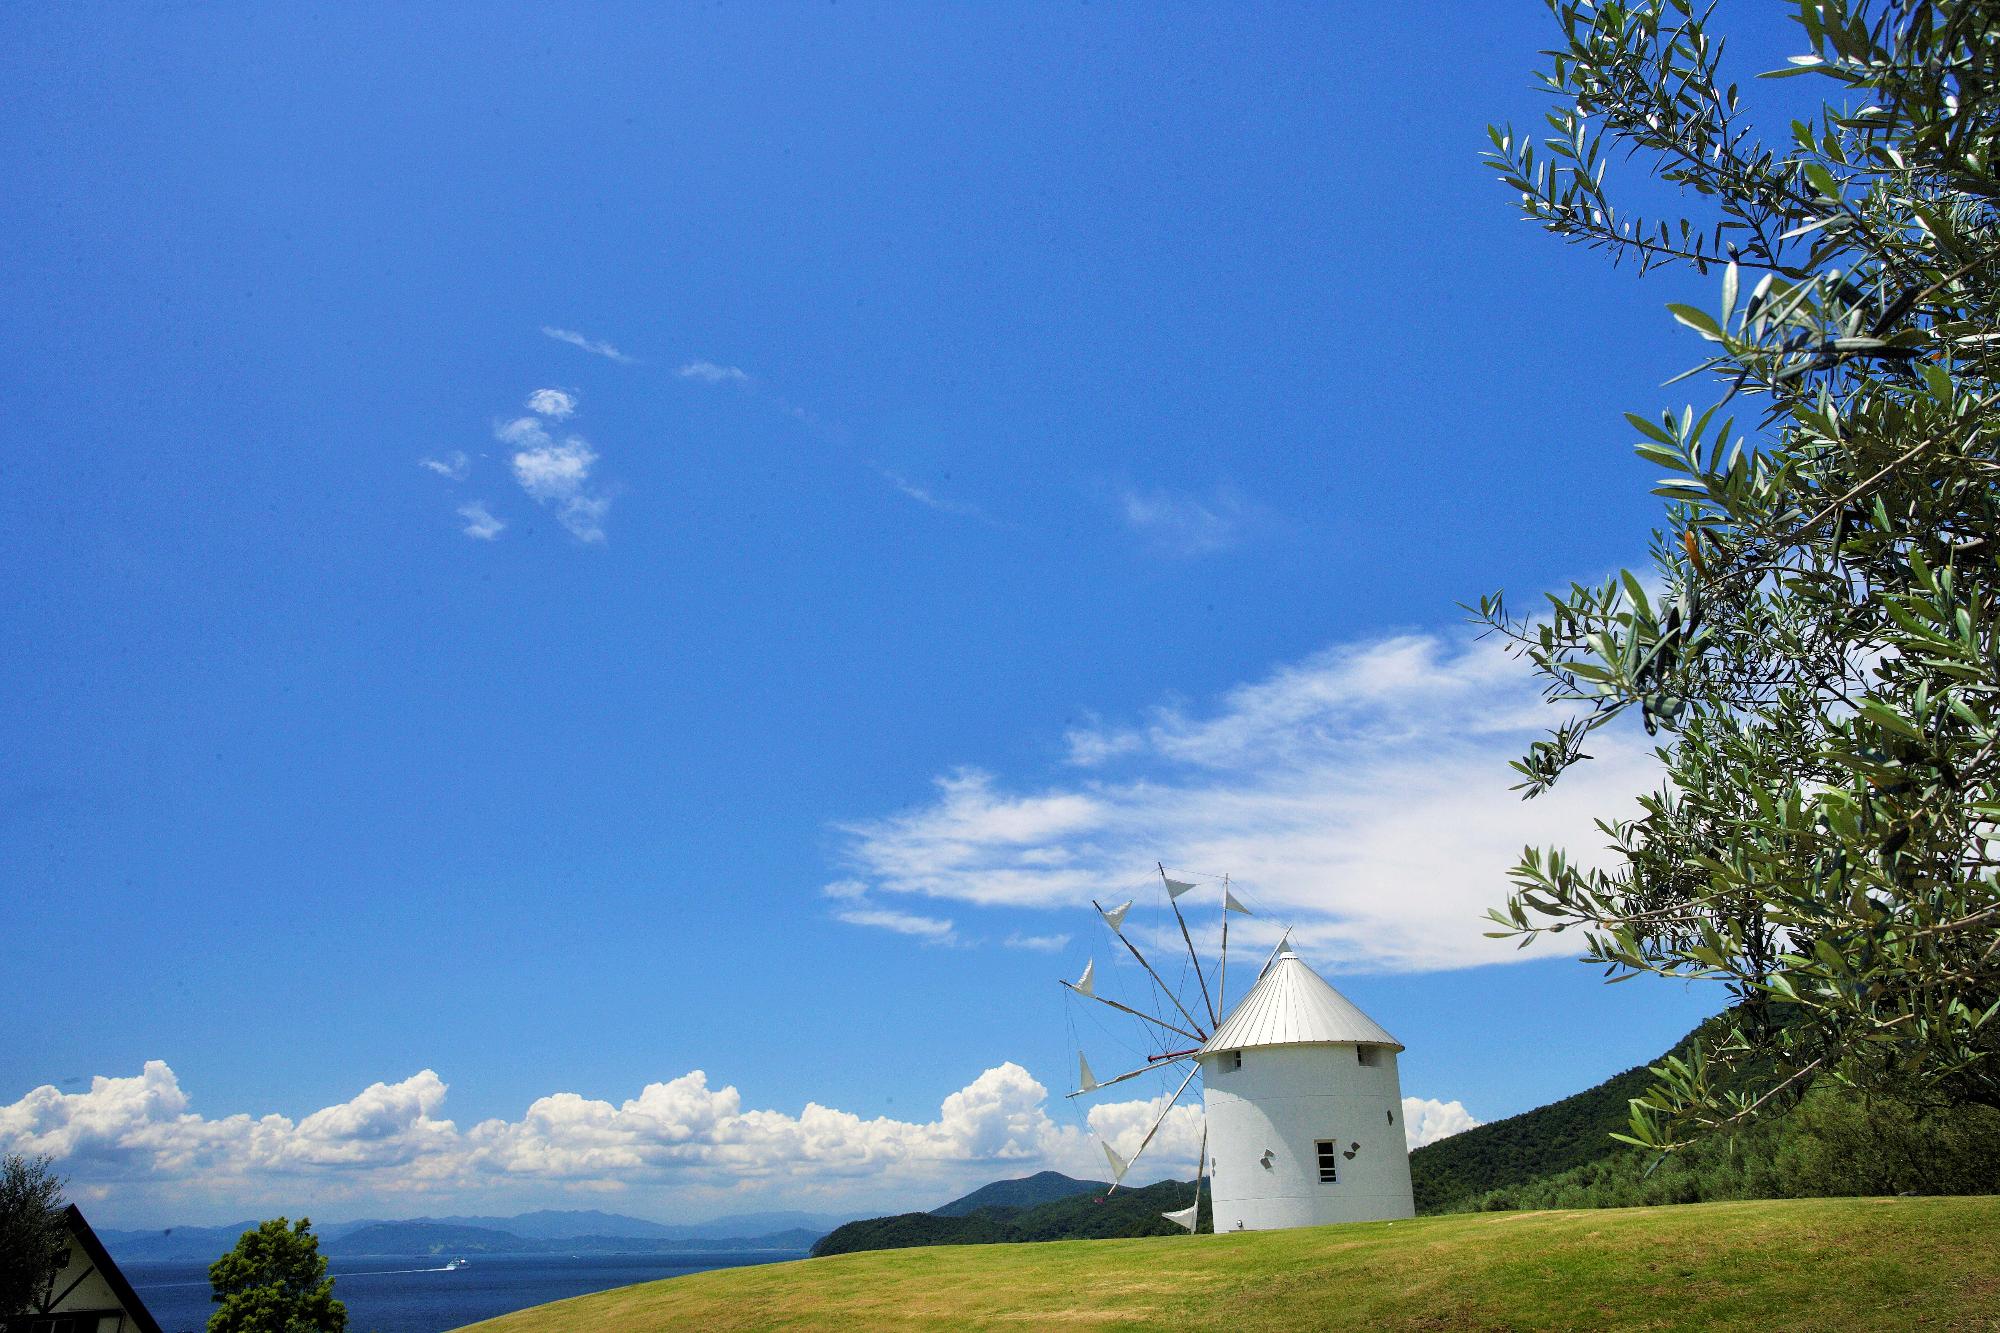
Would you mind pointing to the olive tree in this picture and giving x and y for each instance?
(1816, 644)
(34, 1240)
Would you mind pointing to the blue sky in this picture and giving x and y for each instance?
(984, 450)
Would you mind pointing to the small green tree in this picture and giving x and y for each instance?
(275, 1281)
(1817, 644)
(34, 1242)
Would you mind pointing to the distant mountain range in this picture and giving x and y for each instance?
(451, 1238)
(541, 1232)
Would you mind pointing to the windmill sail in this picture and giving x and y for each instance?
(1185, 1217)
(1175, 887)
(1229, 904)
(1084, 985)
(1119, 1166)
(1116, 916)
(1088, 1082)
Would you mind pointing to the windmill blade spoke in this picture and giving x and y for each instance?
(1193, 1022)
(1158, 1120)
(1136, 1013)
(1190, 1216)
(1157, 1062)
(1175, 888)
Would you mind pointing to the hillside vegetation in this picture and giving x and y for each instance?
(1452, 1174)
(1085, 1216)
(1830, 1264)
(1832, 1142)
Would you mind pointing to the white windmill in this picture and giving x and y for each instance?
(1303, 1108)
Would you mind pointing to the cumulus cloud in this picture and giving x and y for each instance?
(552, 403)
(710, 373)
(455, 465)
(591, 345)
(556, 472)
(1184, 525)
(479, 521)
(139, 1144)
(1359, 795)
(1426, 1120)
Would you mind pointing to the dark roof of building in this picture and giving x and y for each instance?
(92, 1246)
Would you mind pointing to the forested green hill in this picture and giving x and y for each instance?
(1449, 1174)
(1134, 1212)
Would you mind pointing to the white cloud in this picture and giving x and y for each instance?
(936, 930)
(138, 1146)
(1183, 525)
(552, 471)
(1426, 1120)
(857, 909)
(930, 499)
(711, 373)
(556, 472)
(479, 522)
(1037, 943)
(591, 345)
(1360, 795)
(455, 465)
(552, 403)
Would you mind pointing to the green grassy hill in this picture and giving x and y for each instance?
(1831, 1264)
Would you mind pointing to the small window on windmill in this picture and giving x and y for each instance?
(1367, 1055)
(1233, 1061)
(1329, 1161)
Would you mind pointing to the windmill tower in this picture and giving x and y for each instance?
(1302, 1106)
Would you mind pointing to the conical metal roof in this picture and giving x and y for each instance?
(1291, 1005)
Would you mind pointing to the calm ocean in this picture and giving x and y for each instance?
(412, 1295)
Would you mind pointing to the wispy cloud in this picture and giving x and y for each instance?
(1361, 795)
(479, 522)
(591, 345)
(556, 472)
(930, 499)
(932, 929)
(1037, 943)
(857, 909)
(711, 373)
(456, 465)
(1185, 525)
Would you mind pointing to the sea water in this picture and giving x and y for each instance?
(399, 1294)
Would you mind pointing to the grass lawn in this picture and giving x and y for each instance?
(1790, 1264)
